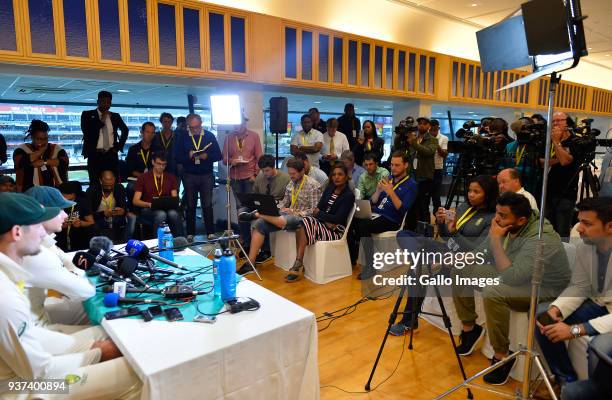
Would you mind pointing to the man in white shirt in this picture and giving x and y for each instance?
(309, 141)
(52, 269)
(334, 143)
(28, 351)
(509, 180)
(439, 158)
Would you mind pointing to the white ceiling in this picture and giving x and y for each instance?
(483, 13)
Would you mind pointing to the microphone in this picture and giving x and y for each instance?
(136, 248)
(113, 300)
(87, 262)
(109, 289)
(127, 266)
(101, 246)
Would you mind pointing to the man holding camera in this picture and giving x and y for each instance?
(422, 149)
(562, 187)
(584, 308)
(511, 247)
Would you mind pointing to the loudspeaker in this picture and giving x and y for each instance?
(278, 114)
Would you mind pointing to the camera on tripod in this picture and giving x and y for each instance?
(585, 139)
(531, 133)
(405, 126)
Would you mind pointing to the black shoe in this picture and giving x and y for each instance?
(263, 257)
(500, 375)
(469, 340)
(246, 216)
(245, 269)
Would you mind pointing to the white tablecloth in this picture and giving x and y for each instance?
(270, 353)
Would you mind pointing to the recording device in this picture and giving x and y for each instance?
(123, 313)
(405, 126)
(545, 319)
(173, 314)
(87, 262)
(585, 140)
(114, 300)
(136, 248)
(480, 153)
(207, 319)
(126, 267)
(101, 247)
(236, 306)
(150, 313)
(174, 292)
(531, 133)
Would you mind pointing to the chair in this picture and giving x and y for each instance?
(382, 242)
(326, 261)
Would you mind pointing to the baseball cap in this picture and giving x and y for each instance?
(49, 196)
(19, 209)
(434, 122)
(423, 119)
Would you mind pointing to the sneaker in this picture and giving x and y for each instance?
(263, 257)
(469, 340)
(401, 329)
(245, 269)
(246, 216)
(500, 375)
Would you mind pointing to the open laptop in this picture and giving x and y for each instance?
(165, 203)
(263, 203)
(364, 210)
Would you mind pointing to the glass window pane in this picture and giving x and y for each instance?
(238, 45)
(338, 49)
(411, 72)
(389, 69)
(42, 26)
(432, 75)
(8, 40)
(110, 39)
(422, 69)
(307, 55)
(166, 17)
(290, 53)
(352, 62)
(365, 64)
(323, 58)
(75, 25)
(401, 70)
(217, 41)
(191, 25)
(378, 55)
(139, 34)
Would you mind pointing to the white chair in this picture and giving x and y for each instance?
(326, 261)
(382, 242)
(282, 244)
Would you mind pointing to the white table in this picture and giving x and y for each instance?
(270, 353)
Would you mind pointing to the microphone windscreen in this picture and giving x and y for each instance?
(83, 260)
(111, 299)
(180, 241)
(127, 266)
(136, 248)
(102, 243)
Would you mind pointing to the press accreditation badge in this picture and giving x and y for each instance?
(197, 160)
(43, 168)
(354, 133)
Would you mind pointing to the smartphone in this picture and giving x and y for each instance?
(150, 313)
(207, 319)
(173, 314)
(545, 319)
(124, 312)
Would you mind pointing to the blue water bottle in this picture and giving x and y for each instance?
(227, 273)
(160, 235)
(216, 280)
(167, 244)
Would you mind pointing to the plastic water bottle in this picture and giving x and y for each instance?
(216, 280)
(160, 235)
(167, 244)
(227, 274)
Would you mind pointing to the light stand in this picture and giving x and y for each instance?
(229, 233)
(527, 351)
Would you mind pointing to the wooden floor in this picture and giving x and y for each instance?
(347, 349)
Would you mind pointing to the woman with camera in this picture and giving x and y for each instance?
(463, 229)
(369, 143)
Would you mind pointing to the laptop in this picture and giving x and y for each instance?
(364, 210)
(165, 203)
(263, 203)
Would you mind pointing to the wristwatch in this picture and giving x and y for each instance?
(575, 330)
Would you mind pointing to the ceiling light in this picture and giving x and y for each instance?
(123, 91)
(470, 112)
(318, 102)
(439, 113)
(607, 55)
(474, 4)
(89, 99)
(590, 48)
(387, 107)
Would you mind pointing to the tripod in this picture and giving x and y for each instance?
(464, 171)
(590, 183)
(416, 303)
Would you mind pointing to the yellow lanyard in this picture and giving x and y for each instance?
(196, 147)
(108, 201)
(369, 146)
(159, 187)
(552, 152)
(145, 159)
(20, 286)
(240, 143)
(466, 217)
(332, 148)
(506, 240)
(164, 143)
(70, 224)
(400, 182)
(294, 195)
(519, 155)
(303, 139)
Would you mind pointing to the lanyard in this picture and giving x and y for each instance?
(400, 182)
(240, 143)
(108, 200)
(466, 217)
(159, 187)
(164, 143)
(145, 159)
(196, 146)
(369, 145)
(294, 195)
(506, 241)
(519, 154)
(304, 139)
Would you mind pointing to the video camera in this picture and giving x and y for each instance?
(405, 126)
(585, 140)
(480, 150)
(531, 132)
